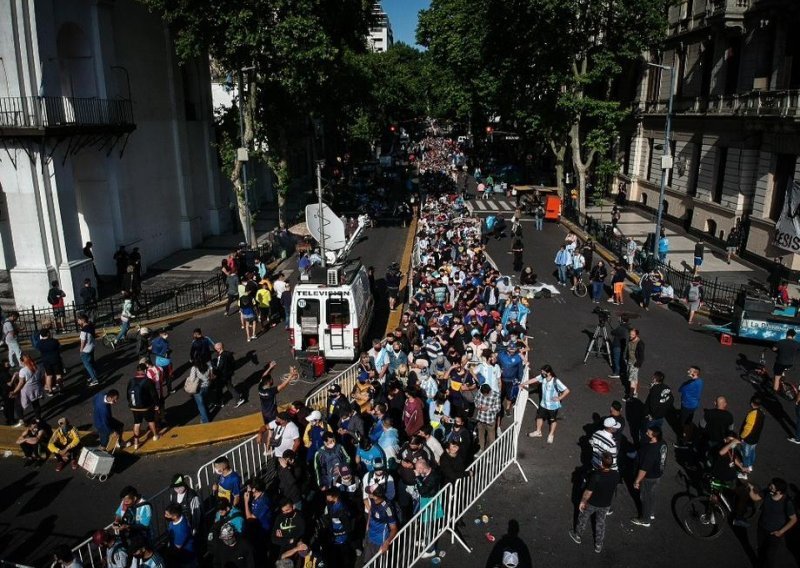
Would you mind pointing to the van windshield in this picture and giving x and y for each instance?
(337, 311)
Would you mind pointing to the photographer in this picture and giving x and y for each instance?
(619, 339)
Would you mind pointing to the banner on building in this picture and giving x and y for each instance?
(787, 230)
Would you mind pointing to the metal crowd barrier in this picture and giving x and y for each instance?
(347, 379)
(248, 459)
(418, 534)
(454, 500)
(92, 556)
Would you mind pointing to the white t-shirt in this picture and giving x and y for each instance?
(285, 435)
(88, 339)
(280, 287)
(8, 331)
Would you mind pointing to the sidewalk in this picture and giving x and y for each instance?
(637, 223)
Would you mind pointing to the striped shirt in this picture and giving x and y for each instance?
(603, 442)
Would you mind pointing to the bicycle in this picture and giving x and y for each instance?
(108, 338)
(760, 377)
(580, 289)
(706, 515)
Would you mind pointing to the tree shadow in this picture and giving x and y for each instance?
(510, 542)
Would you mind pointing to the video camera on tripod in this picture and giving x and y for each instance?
(603, 315)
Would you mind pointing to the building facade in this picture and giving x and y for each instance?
(105, 138)
(736, 121)
(380, 37)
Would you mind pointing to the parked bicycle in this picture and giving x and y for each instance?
(706, 516)
(760, 377)
(580, 288)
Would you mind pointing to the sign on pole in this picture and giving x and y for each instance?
(787, 230)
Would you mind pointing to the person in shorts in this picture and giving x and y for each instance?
(143, 402)
(785, 353)
(699, 250)
(55, 297)
(50, 358)
(634, 355)
(553, 392)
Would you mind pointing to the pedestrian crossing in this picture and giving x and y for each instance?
(493, 205)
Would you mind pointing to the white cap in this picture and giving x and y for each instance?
(510, 559)
(315, 415)
(611, 423)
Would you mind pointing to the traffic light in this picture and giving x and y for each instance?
(392, 128)
(489, 130)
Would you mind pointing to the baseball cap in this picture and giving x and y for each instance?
(512, 346)
(316, 415)
(178, 481)
(510, 559)
(610, 423)
(227, 532)
(334, 389)
(344, 471)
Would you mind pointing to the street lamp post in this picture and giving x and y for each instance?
(666, 159)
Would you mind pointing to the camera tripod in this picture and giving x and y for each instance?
(600, 344)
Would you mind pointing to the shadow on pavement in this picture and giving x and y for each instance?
(510, 542)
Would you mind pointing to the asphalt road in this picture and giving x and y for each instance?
(543, 509)
(40, 508)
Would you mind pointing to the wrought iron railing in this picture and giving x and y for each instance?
(44, 112)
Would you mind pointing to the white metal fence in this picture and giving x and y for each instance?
(347, 379)
(454, 500)
(248, 459)
(92, 556)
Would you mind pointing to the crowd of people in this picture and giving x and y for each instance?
(429, 398)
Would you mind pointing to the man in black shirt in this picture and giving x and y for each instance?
(659, 402)
(718, 422)
(596, 500)
(289, 527)
(652, 460)
(778, 516)
(786, 350)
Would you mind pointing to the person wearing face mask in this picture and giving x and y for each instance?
(396, 357)
(778, 516)
(461, 436)
(328, 461)
(64, 444)
(428, 482)
(379, 359)
(374, 479)
(228, 484)
(188, 500)
(231, 550)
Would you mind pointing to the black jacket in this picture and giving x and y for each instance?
(224, 365)
(660, 400)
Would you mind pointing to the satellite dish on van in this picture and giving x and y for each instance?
(325, 221)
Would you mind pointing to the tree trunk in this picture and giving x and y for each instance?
(581, 166)
(248, 106)
(559, 150)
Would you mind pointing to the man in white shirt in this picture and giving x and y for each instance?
(282, 435)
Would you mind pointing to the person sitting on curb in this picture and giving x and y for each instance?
(64, 444)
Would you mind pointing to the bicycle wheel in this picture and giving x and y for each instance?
(703, 518)
(580, 289)
(788, 391)
(108, 341)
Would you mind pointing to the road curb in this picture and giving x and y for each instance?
(405, 268)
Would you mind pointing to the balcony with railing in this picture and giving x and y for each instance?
(768, 104)
(729, 12)
(37, 116)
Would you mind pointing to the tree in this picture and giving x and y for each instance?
(557, 61)
(454, 33)
(293, 50)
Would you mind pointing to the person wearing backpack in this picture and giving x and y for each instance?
(778, 516)
(143, 403)
(694, 297)
(197, 384)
